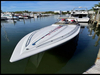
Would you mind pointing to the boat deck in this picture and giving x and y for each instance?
(57, 23)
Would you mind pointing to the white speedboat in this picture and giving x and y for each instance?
(44, 39)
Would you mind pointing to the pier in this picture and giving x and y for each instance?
(95, 69)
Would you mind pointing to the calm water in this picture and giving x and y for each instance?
(72, 57)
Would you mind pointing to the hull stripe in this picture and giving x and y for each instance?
(48, 34)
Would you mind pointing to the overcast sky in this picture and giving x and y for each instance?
(45, 5)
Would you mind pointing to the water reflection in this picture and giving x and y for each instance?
(5, 33)
(94, 31)
(82, 27)
(51, 61)
(83, 24)
(33, 19)
(30, 20)
(97, 42)
(24, 21)
(9, 22)
(97, 32)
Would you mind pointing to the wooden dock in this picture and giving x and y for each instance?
(95, 69)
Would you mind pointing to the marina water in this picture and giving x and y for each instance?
(72, 57)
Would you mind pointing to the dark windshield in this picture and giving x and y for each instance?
(79, 15)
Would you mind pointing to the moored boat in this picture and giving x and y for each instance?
(44, 39)
(9, 16)
(81, 15)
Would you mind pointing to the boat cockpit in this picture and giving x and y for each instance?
(66, 21)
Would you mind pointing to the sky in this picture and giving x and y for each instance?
(45, 5)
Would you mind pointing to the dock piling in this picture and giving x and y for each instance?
(98, 21)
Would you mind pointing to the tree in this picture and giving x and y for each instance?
(56, 13)
(26, 11)
(96, 5)
(64, 12)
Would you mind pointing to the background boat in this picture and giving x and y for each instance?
(80, 14)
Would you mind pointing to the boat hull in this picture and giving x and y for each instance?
(81, 20)
(43, 39)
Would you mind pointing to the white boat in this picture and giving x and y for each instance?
(80, 15)
(2, 17)
(20, 17)
(31, 15)
(44, 39)
(36, 15)
(9, 16)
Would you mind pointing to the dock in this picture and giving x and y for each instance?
(95, 69)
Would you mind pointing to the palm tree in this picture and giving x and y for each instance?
(96, 5)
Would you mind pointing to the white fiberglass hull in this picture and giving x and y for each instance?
(43, 39)
(81, 20)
